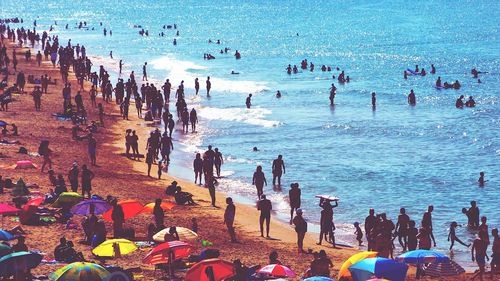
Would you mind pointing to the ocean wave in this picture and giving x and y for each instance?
(254, 116)
(188, 71)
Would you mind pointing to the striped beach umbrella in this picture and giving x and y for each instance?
(446, 268)
(185, 234)
(80, 271)
(161, 253)
(276, 270)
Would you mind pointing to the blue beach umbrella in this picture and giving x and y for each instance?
(421, 257)
(5, 235)
(318, 278)
(83, 208)
(380, 267)
(19, 261)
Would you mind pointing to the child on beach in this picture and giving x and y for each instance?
(359, 233)
(452, 236)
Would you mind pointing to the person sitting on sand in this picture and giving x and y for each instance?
(171, 235)
(58, 251)
(321, 264)
(182, 198)
(172, 189)
(273, 258)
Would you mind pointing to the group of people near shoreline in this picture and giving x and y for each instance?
(380, 231)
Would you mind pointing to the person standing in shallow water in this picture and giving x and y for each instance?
(294, 197)
(144, 72)
(481, 180)
(278, 169)
(374, 100)
(259, 179)
(333, 92)
(209, 86)
(196, 85)
(248, 101)
(427, 223)
(218, 161)
(412, 100)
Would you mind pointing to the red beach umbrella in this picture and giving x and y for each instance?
(221, 270)
(160, 254)
(130, 209)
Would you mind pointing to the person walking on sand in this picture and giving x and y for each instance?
(92, 149)
(278, 169)
(294, 197)
(259, 179)
(265, 207)
(87, 177)
(229, 215)
(46, 152)
(301, 229)
(144, 72)
(149, 160)
(37, 98)
(479, 247)
(209, 86)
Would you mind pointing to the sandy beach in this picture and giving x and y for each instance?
(127, 179)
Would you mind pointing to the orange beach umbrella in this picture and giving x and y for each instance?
(130, 209)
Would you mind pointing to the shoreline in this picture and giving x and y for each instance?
(246, 215)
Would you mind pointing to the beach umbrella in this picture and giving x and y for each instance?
(344, 269)
(83, 208)
(19, 261)
(221, 270)
(318, 278)
(161, 253)
(276, 270)
(185, 234)
(5, 235)
(166, 206)
(114, 248)
(80, 271)
(26, 164)
(421, 257)
(4, 249)
(68, 198)
(445, 268)
(130, 209)
(3, 123)
(378, 279)
(380, 267)
(35, 201)
(8, 209)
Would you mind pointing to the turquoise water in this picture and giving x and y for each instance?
(395, 156)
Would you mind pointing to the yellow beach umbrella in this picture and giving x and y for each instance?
(114, 248)
(344, 270)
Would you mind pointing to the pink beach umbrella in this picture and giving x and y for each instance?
(276, 270)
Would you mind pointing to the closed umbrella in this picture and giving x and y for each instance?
(70, 198)
(130, 209)
(19, 261)
(344, 269)
(276, 270)
(421, 256)
(80, 271)
(83, 208)
(114, 248)
(166, 206)
(380, 267)
(445, 268)
(161, 253)
(5, 235)
(185, 234)
(220, 269)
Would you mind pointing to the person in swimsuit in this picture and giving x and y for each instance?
(278, 169)
(265, 207)
(453, 237)
(259, 179)
(495, 257)
(479, 249)
(402, 227)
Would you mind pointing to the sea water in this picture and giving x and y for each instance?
(391, 157)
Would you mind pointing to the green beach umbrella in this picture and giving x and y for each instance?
(68, 198)
(80, 271)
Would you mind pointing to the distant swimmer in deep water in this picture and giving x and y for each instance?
(481, 179)
(255, 149)
(412, 99)
(289, 69)
(456, 85)
(475, 73)
(438, 82)
(471, 102)
(433, 69)
(237, 55)
(295, 69)
(248, 101)
(460, 103)
(323, 68)
(234, 72)
(423, 73)
(416, 68)
(175, 42)
(278, 94)
(405, 74)
(333, 92)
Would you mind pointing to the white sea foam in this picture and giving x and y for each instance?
(254, 116)
(187, 70)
